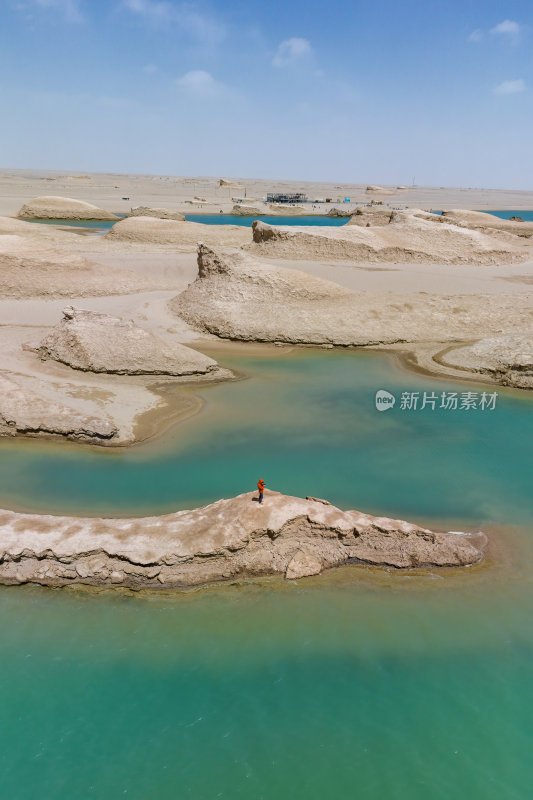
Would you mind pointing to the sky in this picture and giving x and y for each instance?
(392, 92)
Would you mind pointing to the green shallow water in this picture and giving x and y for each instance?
(307, 423)
(357, 683)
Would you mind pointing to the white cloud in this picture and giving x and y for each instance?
(511, 87)
(290, 51)
(476, 36)
(149, 69)
(69, 9)
(204, 28)
(508, 27)
(197, 80)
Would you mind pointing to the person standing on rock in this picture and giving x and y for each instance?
(260, 488)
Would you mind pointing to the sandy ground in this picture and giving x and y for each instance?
(140, 406)
(108, 191)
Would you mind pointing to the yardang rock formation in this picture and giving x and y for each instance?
(224, 540)
(95, 342)
(407, 238)
(52, 207)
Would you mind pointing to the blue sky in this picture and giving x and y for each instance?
(382, 92)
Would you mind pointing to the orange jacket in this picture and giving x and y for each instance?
(261, 485)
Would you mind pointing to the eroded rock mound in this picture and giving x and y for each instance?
(52, 207)
(95, 342)
(224, 540)
(159, 213)
(227, 184)
(151, 230)
(23, 411)
(407, 238)
(339, 212)
(508, 359)
(378, 190)
(480, 220)
(240, 210)
(367, 216)
(239, 297)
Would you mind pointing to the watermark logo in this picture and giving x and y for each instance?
(445, 401)
(384, 400)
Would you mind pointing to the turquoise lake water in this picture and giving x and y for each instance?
(357, 683)
(527, 216)
(307, 423)
(206, 219)
(232, 219)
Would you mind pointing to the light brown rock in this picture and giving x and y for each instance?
(367, 216)
(302, 565)
(237, 296)
(240, 210)
(96, 342)
(371, 189)
(408, 238)
(159, 213)
(507, 358)
(23, 411)
(224, 540)
(151, 230)
(52, 207)
(480, 220)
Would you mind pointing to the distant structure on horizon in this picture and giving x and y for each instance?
(274, 197)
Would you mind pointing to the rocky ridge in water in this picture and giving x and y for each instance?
(228, 539)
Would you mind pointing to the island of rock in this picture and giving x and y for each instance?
(228, 539)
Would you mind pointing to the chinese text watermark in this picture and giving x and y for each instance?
(447, 401)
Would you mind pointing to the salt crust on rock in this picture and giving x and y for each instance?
(227, 539)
